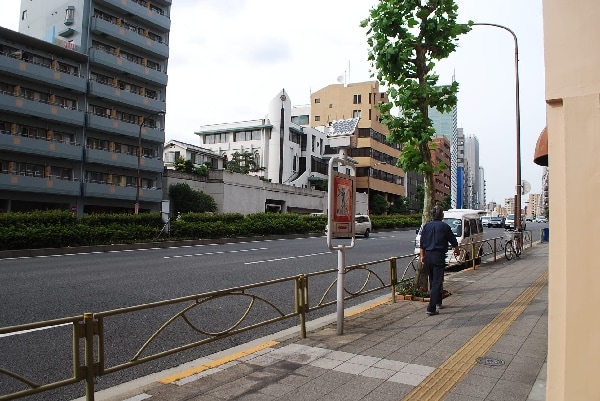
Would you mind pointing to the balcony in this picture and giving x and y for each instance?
(39, 147)
(43, 185)
(45, 111)
(123, 66)
(41, 74)
(104, 157)
(101, 190)
(125, 97)
(131, 38)
(114, 126)
(150, 17)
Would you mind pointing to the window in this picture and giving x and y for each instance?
(170, 157)
(24, 15)
(356, 113)
(317, 118)
(357, 99)
(69, 15)
(317, 100)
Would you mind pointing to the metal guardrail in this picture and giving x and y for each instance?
(176, 325)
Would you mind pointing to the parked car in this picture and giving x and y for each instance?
(362, 225)
(485, 220)
(509, 223)
(497, 221)
(466, 226)
(541, 220)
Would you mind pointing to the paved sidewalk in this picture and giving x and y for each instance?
(488, 343)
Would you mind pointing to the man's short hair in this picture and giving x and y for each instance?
(437, 213)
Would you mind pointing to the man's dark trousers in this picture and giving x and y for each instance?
(436, 263)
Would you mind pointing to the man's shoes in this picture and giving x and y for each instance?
(436, 312)
(438, 307)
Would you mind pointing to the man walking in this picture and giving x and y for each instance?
(435, 237)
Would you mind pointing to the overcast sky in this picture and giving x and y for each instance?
(229, 58)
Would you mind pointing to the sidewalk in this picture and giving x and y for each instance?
(488, 343)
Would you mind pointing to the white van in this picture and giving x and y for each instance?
(466, 226)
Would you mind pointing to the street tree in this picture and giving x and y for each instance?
(184, 199)
(406, 38)
(243, 163)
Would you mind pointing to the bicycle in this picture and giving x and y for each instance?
(513, 246)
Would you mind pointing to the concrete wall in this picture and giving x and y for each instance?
(571, 33)
(239, 193)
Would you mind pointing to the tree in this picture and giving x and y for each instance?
(446, 203)
(406, 38)
(379, 205)
(400, 205)
(243, 163)
(185, 200)
(179, 163)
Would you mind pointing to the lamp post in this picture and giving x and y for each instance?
(518, 121)
(139, 155)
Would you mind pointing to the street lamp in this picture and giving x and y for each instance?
(139, 155)
(518, 119)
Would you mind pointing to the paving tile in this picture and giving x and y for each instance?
(475, 386)
(506, 390)
(407, 378)
(353, 368)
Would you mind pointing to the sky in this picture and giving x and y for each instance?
(229, 58)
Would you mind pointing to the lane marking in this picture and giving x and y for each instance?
(439, 384)
(287, 258)
(33, 330)
(214, 253)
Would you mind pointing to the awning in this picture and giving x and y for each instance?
(540, 156)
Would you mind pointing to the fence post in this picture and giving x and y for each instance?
(301, 301)
(393, 278)
(88, 321)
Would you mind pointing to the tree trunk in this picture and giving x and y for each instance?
(421, 278)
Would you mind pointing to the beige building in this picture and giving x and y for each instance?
(376, 171)
(572, 61)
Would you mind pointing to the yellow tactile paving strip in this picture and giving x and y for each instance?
(216, 363)
(442, 380)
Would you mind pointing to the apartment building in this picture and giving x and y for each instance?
(376, 158)
(82, 106)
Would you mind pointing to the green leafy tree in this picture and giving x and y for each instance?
(406, 38)
(179, 164)
(243, 163)
(420, 195)
(400, 205)
(379, 205)
(446, 203)
(184, 200)
(188, 166)
(201, 170)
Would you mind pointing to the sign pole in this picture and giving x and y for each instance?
(340, 216)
